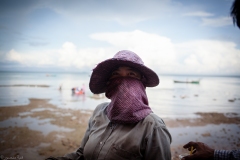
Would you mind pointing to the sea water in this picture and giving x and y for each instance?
(168, 99)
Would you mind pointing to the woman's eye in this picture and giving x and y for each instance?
(132, 74)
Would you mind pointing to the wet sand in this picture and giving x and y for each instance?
(40, 130)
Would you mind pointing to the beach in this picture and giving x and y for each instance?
(37, 119)
(59, 131)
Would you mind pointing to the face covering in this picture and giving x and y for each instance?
(129, 102)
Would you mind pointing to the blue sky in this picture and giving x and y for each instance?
(171, 36)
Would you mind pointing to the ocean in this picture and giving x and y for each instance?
(168, 99)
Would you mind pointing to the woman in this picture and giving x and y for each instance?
(125, 128)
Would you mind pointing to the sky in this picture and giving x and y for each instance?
(171, 36)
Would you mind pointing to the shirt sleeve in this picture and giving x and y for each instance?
(227, 155)
(158, 144)
(78, 155)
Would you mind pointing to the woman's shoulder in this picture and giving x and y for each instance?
(100, 108)
(154, 120)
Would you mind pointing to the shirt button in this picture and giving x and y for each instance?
(101, 142)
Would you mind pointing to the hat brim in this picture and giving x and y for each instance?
(102, 73)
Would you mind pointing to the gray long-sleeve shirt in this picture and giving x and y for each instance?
(148, 139)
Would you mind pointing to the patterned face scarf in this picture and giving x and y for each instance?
(129, 103)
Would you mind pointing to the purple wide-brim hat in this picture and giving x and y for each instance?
(102, 72)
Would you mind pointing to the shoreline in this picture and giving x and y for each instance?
(27, 85)
(41, 130)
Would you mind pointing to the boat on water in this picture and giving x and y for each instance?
(193, 82)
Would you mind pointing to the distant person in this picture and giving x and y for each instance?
(60, 88)
(83, 88)
(235, 12)
(202, 151)
(73, 90)
(125, 128)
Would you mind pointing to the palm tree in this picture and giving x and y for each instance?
(235, 12)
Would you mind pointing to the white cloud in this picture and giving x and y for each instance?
(158, 52)
(194, 57)
(12, 55)
(153, 49)
(67, 56)
(210, 57)
(198, 14)
(192, 61)
(29, 59)
(209, 20)
(217, 22)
